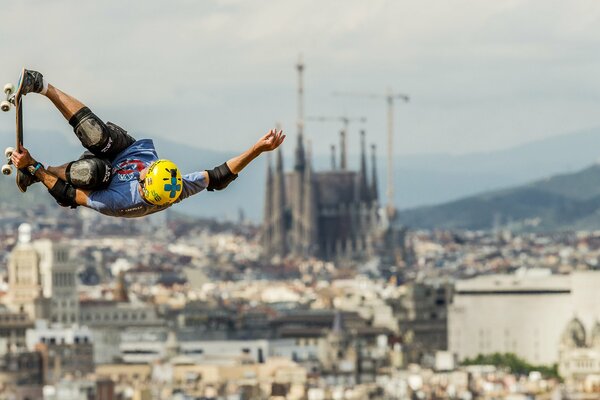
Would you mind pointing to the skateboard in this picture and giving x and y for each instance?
(13, 98)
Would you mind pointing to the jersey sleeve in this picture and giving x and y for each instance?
(106, 201)
(193, 183)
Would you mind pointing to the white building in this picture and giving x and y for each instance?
(579, 363)
(56, 334)
(524, 314)
(145, 346)
(24, 280)
(59, 280)
(256, 351)
(42, 279)
(109, 319)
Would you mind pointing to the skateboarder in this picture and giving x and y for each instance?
(118, 175)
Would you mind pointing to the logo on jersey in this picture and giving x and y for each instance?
(128, 170)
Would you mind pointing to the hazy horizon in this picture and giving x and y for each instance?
(481, 76)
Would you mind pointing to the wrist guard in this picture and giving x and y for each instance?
(219, 177)
(32, 169)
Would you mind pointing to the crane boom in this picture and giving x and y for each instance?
(343, 143)
(389, 97)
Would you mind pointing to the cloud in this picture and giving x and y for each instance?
(482, 74)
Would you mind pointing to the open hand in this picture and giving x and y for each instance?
(21, 158)
(270, 141)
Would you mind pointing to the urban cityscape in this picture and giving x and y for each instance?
(428, 230)
(330, 297)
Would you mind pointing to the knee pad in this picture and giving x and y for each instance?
(91, 131)
(89, 173)
(64, 194)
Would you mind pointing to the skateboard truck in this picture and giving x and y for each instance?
(5, 105)
(6, 169)
(9, 90)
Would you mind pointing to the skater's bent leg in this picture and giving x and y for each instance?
(103, 140)
(89, 172)
(59, 172)
(66, 104)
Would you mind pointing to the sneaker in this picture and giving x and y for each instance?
(24, 179)
(30, 81)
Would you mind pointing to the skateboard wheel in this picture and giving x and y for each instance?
(8, 152)
(6, 169)
(5, 106)
(9, 88)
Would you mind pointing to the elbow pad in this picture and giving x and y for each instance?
(219, 177)
(64, 194)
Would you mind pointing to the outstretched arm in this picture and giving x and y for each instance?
(268, 142)
(219, 177)
(22, 159)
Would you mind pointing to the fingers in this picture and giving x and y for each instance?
(270, 133)
(16, 159)
(279, 137)
(272, 139)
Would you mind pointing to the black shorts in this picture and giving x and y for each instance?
(104, 140)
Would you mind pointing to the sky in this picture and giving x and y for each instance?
(217, 74)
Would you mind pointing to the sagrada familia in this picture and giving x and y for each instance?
(326, 214)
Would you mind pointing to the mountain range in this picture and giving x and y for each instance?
(567, 201)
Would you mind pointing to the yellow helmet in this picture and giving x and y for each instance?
(162, 185)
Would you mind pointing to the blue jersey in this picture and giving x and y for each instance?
(122, 198)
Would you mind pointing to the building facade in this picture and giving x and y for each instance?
(13, 326)
(328, 214)
(42, 279)
(421, 314)
(59, 281)
(524, 314)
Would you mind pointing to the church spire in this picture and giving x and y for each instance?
(279, 233)
(333, 166)
(309, 208)
(364, 186)
(300, 163)
(374, 188)
(267, 232)
(343, 164)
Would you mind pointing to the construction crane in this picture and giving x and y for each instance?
(390, 96)
(346, 123)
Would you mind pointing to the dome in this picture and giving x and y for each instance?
(596, 335)
(574, 334)
(24, 233)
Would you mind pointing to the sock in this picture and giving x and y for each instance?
(44, 86)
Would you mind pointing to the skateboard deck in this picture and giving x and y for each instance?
(14, 98)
